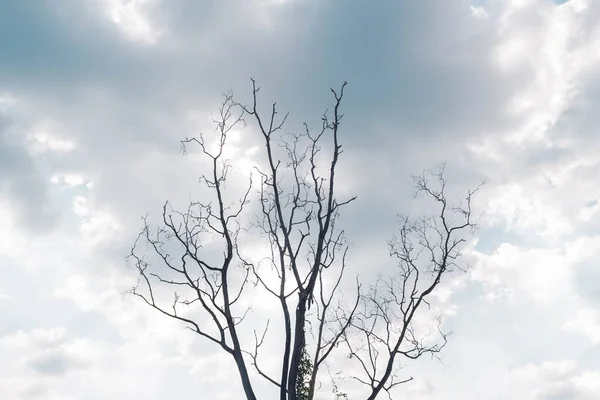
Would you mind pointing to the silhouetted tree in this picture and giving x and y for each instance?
(298, 221)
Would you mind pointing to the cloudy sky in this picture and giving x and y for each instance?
(95, 96)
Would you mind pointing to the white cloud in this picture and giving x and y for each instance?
(560, 380)
(131, 18)
(525, 209)
(479, 12)
(70, 180)
(42, 140)
(587, 322)
(7, 100)
(540, 274)
(5, 297)
(96, 225)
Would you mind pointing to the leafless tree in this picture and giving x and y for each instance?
(427, 249)
(297, 215)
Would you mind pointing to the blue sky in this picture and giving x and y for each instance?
(95, 96)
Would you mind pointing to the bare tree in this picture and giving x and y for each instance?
(427, 248)
(297, 215)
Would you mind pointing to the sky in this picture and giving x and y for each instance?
(96, 95)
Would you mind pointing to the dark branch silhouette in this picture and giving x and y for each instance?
(297, 219)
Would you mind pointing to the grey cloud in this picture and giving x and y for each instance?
(53, 362)
(122, 102)
(420, 85)
(580, 120)
(401, 98)
(399, 66)
(94, 325)
(560, 393)
(21, 181)
(586, 277)
(29, 308)
(51, 354)
(55, 47)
